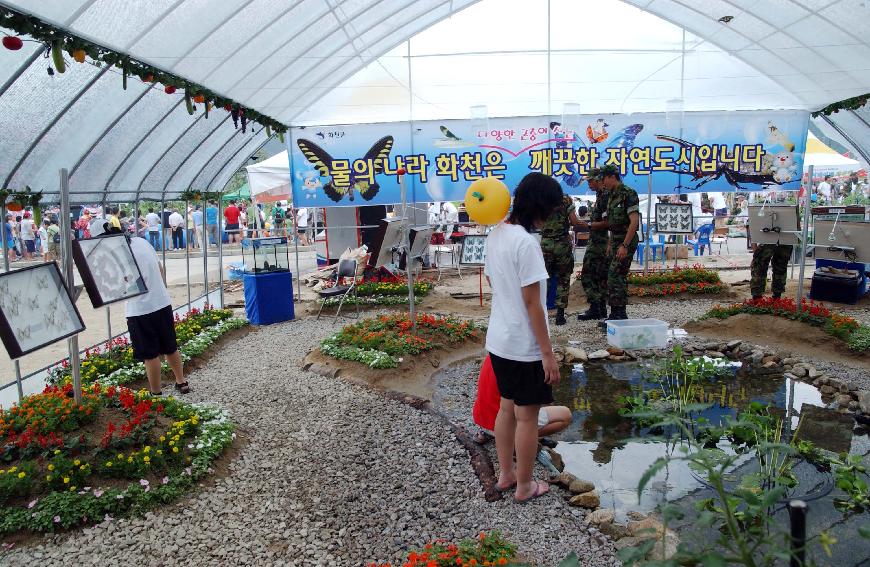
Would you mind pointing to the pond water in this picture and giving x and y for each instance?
(612, 451)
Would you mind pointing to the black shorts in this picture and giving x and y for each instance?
(521, 382)
(152, 334)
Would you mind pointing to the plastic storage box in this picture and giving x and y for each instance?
(637, 333)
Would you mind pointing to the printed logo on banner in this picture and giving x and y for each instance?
(709, 151)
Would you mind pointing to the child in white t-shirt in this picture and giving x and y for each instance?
(517, 338)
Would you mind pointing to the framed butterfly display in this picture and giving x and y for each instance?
(674, 218)
(473, 250)
(108, 269)
(36, 309)
(342, 177)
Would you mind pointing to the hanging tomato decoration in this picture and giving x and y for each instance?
(14, 207)
(199, 98)
(229, 108)
(12, 43)
(149, 78)
(169, 89)
(79, 55)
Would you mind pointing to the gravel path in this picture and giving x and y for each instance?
(331, 474)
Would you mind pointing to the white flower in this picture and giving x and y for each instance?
(165, 480)
(98, 493)
(32, 503)
(57, 519)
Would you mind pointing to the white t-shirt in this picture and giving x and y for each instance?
(153, 222)
(26, 230)
(513, 261)
(824, 189)
(302, 218)
(176, 220)
(156, 297)
(718, 201)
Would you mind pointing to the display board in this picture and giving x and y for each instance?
(350, 165)
(774, 224)
(108, 269)
(420, 237)
(848, 241)
(36, 309)
(674, 218)
(387, 240)
(473, 250)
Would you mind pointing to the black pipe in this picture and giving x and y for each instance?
(797, 513)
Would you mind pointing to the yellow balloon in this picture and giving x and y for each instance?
(487, 201)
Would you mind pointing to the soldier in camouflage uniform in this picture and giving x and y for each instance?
(623, 218)
(766, 254)
(594, 274)
(559, 252)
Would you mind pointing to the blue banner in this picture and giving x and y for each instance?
(357, 164)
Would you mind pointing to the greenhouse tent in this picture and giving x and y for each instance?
(270, 178)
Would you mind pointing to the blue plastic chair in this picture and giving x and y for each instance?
(653, 246)
(703, 233)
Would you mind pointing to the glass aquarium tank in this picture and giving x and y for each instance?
(262, 255)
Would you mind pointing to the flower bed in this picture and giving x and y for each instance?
(674, 289)
(114, 363)
(392, 291)
(484, 551)
(66, 464)
(380, 342)
(691, 275)
(843, 327)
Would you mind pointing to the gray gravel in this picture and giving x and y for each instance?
(332, 474)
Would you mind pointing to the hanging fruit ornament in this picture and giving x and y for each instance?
(149, 78)
(169, 89)
(188, 102)
(244, 120)
(229, 108)
(207, 109)
(268, 131)
(57, 55)
(199, 99)
(79, 55)
(12, 43)
(234, 112)
(487, 201)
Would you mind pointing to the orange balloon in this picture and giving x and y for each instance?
(487, 201)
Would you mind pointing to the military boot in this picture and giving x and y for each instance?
(616, 313)
(560, 316)
(596, 310)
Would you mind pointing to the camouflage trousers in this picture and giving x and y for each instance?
(559, 259)
(765, 255)
(594, 274)
(617, 272)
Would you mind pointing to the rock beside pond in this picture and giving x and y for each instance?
(575, 354)
(580, 486)
(827, 390)
(615, 351)
(599, 355)
(626, 542)
(770, 358)
(613, 531)
(843, 399)
(589, 500)
(564, 479)
(647, 528)
(664, 550)
(600, 517)
(731, 345)
(864, 401)
(556, 458)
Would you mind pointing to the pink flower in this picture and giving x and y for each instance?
(165, 480)
(144, 482)
(57, 519)
(107, 518)
(98, 493)
(32, 503)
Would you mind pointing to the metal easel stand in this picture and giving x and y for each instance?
(69, 277)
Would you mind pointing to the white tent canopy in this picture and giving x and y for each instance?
(324, 61)
(269, 179)
(826, 161)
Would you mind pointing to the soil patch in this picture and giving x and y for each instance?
(726, 295)
(791, 336)
(414, 375)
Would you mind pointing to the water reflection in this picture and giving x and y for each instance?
(609, 449)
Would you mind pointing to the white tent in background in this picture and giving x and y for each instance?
(826, 161)
(270, 179)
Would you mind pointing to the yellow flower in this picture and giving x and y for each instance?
(120, 456)
(72, 488)
(175, 449)
(48, 478)
(162, 438)
(57, 451)
(77, 462)
(129, 459)
(66, 480)
(159, 452)
(146, 449)
(108, 463)
(146, 459)
(171, 443)
(12, 469)
(51, 467)
(81, 468)
(2, 471)
(21, 474)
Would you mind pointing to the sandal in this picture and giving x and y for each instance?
(538, 492)
(507, 488)
(155, 394)
(482, 438)
(183, 388)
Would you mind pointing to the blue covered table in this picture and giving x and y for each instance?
(268, 297)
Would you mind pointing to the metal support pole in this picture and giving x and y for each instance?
(406, 248)
(648, 244)
(804, 236)
(17, 367)
(188, 220)
(220, 265)
(797, 515)
(296, 250)
(66, 243)
(6, 245)
(163, 224)
(109, 322)
(205, 248)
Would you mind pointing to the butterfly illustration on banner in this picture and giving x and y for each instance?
(623, 139)
(322, 161)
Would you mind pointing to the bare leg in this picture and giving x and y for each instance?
(177, 366)
(152, 370)
(505, 429)
(559, 419)
(527, 451)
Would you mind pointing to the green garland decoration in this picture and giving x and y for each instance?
(29, 198)
(853, 103)
(194, 195)
(58, 41)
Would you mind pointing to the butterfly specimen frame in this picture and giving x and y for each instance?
(36, 309)
(473, 250)
(108, 269)
(674, 218)
(847, 241)
(774, 224)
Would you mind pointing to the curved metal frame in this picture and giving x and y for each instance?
(184, 161)
(21, 69)
(211, 32)
(226, 163)
(214, 155)
(166, 151)
(54, 121)
(848, 138)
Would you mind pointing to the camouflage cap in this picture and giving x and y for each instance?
(608, 170)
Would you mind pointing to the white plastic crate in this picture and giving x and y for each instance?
(637, 333)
